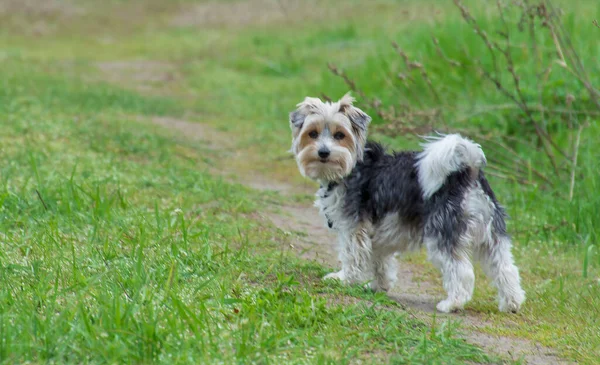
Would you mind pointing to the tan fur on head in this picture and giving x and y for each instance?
(338, 128)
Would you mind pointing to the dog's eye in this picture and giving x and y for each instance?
(313, 134)
(339, 136)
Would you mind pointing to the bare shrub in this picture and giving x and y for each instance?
(545, 135)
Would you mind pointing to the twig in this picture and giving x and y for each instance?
(579, 70)
(541, 84)
(546, 140)
(41, 199)
(508, 177)
(442, 55)
(325, 97)
(347, 80)
(507, 172)
(407, 62)
(483, 35)
(516, 157)
(438, 101)
(554, 159)
(535, 107)
(542, 135)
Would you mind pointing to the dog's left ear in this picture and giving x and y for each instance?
(359, 119)
(360, 122)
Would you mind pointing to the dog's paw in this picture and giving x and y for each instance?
(509, 305)
(335, 276)
(378, 287)
(447, 306)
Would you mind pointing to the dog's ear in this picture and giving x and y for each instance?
(359, 119)
(296, 121)
(305, 108)
(360, 122)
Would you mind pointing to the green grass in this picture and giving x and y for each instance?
(118, 245)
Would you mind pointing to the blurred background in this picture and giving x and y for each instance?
(78, 76)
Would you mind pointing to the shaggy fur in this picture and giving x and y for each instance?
(380, 204)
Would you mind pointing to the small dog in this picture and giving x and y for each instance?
(380, 204)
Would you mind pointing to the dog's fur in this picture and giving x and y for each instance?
(380, 204)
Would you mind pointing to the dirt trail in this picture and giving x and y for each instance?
(312, 241)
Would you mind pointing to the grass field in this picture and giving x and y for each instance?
(117, 247)
(121, 242)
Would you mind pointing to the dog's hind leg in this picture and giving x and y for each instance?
(497, 262)
(385, 270)
(457, 273)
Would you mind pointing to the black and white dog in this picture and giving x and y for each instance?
(380, 204)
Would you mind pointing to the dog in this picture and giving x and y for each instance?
(381, 204)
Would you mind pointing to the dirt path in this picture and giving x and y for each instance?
(312, 241)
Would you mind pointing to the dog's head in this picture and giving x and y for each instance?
(328, 138)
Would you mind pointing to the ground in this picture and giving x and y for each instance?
(150, 211)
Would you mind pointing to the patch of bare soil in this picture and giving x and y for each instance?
(37, 17)
(243, 13)
(211, 137)
(37, 8)
(145, 75)
(231, 157)
(311, 240)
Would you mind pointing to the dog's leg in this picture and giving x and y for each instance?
(497, 262)
(355, 255)
(457, 273)
(385, 270)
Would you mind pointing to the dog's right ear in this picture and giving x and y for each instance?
(305, 108)
(296, 121)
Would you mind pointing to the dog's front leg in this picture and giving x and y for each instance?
(354, 250)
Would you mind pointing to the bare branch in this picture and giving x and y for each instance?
(552, 150)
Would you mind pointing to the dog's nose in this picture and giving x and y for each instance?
(324, 153)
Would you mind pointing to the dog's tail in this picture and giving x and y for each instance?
(444, 155)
